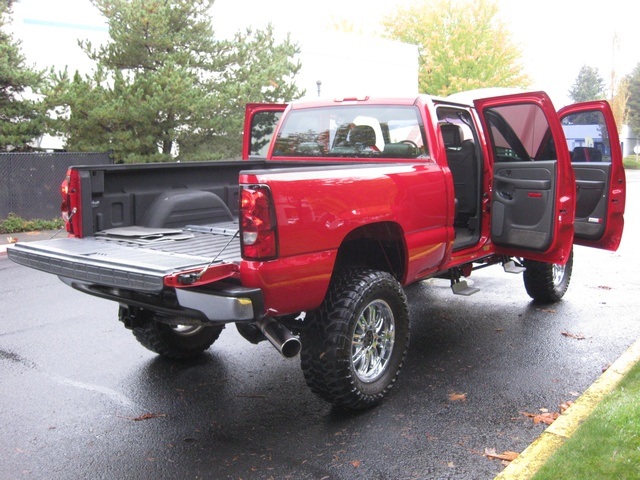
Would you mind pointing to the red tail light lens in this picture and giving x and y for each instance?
(69, 189)
(257, 223)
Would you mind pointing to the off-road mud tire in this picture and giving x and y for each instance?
(340, 337)
(174, 340)
(547, 282)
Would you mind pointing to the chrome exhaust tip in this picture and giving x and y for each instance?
(280, 337)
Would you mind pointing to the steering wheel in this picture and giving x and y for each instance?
(412, 143)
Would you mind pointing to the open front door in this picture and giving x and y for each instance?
(260, 120)
(533, 195)
(592, 139)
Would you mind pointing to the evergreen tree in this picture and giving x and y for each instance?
(164, 86)
(462, 45)
(21, 115)
(588, 85)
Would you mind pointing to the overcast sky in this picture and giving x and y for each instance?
(557, 37)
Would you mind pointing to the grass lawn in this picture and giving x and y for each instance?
(607, 444)
(631, 162)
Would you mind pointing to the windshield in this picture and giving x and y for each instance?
(352, 131)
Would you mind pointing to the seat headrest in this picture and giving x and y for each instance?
(586, 154)
(451, 134)
(364, 134)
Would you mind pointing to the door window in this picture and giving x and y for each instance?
(520, 133)
(587, 137)
(263, 125)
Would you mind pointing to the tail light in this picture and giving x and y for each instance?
(70, 191)
(257, 223)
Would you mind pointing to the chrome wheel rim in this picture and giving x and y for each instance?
(558, 274)
(372, 342)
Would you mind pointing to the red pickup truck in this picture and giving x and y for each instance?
(337, 206)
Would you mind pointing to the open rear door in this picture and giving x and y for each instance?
(533, 195)
(260, 122)
(592, 139)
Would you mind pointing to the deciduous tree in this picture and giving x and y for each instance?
(462, 45)
(620, 102)
(634, 99)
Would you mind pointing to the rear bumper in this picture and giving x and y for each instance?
(136, 277)
(214, 304)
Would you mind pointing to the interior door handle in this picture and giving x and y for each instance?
(505, 195)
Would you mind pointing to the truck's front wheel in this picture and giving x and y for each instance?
(547, 282)
(175, 340)
(355, 343)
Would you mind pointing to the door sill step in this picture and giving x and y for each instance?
(463, 288)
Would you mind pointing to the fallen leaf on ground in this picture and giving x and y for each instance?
(507, 456)
(457, 397)
(12, 240)
(355, 463)
(577, 336)
(547, 417)
(148, 416)
(565, 405)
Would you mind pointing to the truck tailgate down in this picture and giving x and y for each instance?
(135, 258)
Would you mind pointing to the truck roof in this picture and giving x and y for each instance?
(360, 100)
(462, 98)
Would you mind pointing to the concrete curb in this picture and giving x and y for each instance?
(535, 455)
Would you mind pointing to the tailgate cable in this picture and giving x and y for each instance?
(194, 277)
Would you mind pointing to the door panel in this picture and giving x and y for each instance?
(592, 139)
(592, 199)
(533, 192)
(522, 204)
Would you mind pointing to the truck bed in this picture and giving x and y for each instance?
(132, 257)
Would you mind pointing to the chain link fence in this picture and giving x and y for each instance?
(30, 182)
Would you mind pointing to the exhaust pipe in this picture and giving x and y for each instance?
(280, 337)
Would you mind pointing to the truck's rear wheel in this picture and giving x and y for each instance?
(176, 340)
(355, 343)
(547, 282)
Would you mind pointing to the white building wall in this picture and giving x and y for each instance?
(350, 65)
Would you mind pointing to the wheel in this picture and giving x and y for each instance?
(547, 282)
(355, 343)
(175, 340)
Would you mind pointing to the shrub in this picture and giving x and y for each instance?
(15, 224)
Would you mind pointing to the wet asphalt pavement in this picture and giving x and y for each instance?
(81, 399)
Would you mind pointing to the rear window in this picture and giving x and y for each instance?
(352, 131)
